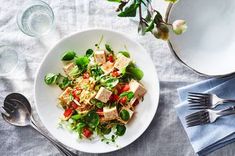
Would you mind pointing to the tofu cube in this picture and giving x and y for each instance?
(122, 62)
(103, 95)
(137, 88)
(107, 67)
(131, 103)
(68, 69)
(110, 113)
(65, 96)
(100, 57)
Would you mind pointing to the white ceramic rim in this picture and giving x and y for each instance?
(98, 29)
(173, 51)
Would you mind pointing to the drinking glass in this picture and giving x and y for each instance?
(35, 18)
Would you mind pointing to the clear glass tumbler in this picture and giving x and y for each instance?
(35, 18)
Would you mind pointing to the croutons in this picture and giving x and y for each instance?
(103, 95)
(107, 67)
(122, 62)
(100, 57)
(137, 88)
(110, 113)
(65, 96)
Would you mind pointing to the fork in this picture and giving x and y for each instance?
(205, 100)
(207, 116)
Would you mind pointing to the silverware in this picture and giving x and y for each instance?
(205, 100)
(207, 116)
(18, 113)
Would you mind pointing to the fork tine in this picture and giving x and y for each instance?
(196, 93)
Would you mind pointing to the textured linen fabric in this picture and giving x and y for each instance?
(209, 137)
(165, 135)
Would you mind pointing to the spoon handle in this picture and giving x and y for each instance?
(60, 147)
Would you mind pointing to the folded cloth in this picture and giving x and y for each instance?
(210, 137)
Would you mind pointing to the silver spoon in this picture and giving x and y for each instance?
(18, 113)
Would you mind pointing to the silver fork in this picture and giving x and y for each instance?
(205, 100)
(207, 116)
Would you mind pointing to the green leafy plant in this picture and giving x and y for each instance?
(153, 22)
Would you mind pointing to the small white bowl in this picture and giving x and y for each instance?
(46, 96)
(208, 45)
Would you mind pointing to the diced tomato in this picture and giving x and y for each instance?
(114, 98)
(75, 93)
(100, 112)
(123, 100)
(74, 105)
(119, 88)
(68, 112)
(86, 132)
(115, 73)
(86, 75)
(77, 98)
(110, 58)
(126, 88)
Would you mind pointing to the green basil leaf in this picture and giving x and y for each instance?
(79, 127)
(50, 78)
(108, 48)
(130, 11)
(92, 119)
(82, 62)
(69, 55)
(109, 82)
(63, 82)
(76, 116)
(129, 95)
(89, 52)
(120, 130)
(124, 114)
(125, 53)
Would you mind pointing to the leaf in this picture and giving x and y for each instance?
(63, 82)
(82, 62)
(150, 26)
(130, 11)
(136, 73)
(92, 119)
(125, 53)
(129, 95)
(124, 114)
(118, 1)
(50, 78)
(109, 82)
(69, 55)
(89, 52)
(120, 130)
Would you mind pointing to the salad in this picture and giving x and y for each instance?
(100, 92)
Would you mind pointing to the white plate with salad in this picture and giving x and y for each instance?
(96, 91)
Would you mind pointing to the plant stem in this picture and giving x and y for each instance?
(140, 13)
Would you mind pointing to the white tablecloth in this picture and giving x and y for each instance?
(164, 137)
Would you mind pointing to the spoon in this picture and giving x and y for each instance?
(18, 113)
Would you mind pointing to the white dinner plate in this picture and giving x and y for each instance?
(46, 96)
(208, 46)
